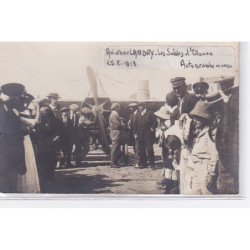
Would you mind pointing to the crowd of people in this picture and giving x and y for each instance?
(197, 132)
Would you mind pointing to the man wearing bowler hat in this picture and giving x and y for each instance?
(12, 157)
(187, 100)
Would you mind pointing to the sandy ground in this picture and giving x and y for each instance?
(99, 178)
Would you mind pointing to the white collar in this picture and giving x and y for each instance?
(170, 109)
(143, 111)
(203, 131)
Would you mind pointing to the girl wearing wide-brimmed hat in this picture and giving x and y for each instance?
(203, 159)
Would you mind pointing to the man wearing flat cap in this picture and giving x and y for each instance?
(187, 100)
(115, 134)
(12, 156)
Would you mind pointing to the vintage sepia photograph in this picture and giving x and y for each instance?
(106, 118)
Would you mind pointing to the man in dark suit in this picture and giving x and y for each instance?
(12, 157)
(144, 125)
(66, 137)
(187, 100)
(54, 103)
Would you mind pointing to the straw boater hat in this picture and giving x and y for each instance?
(86, 111)
(163, 113)
(133, 105)
(114, 105)
(202, 109)
(74, 106)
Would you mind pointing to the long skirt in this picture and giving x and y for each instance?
(29, 183)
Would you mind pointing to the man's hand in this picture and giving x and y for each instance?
(211, 181)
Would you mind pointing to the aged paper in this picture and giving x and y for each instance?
(119, 118)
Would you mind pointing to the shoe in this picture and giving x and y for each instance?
(137, 166)
(114, 166)
(78, 164)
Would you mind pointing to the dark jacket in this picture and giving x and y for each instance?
(66, 130)
(188, 102)
(12, 156)
(144, 125)
(47, 134)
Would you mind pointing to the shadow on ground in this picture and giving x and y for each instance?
(73, 182)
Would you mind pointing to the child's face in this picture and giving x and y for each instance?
(167, 123)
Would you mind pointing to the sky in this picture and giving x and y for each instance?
(61, 67)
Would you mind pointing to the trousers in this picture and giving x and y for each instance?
(196, 179)
(144, 151)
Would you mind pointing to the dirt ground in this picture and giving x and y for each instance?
(99, 178)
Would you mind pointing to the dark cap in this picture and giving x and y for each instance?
(29, 97)
(13, 89)
(44, 103)
(178, 81)
(198, 86)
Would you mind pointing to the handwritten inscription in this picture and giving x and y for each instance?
(179, 57)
